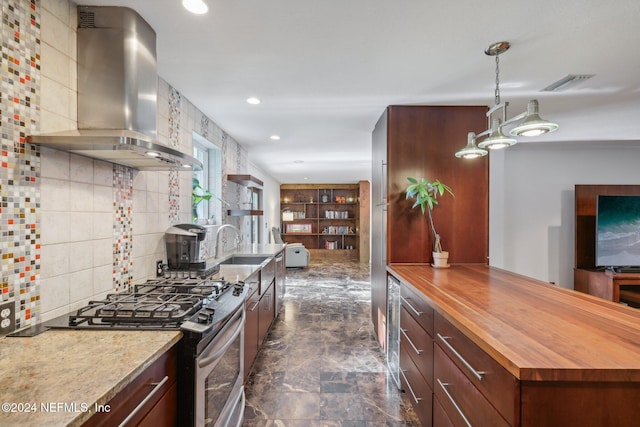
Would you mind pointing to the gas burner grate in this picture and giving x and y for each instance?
(141, 310)
(163, 303)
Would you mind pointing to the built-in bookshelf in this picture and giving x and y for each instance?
(326, 218)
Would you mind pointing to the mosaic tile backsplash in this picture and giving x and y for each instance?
(174, 139)
(20, 169)
(122, 227)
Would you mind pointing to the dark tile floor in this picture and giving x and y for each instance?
(321, 365)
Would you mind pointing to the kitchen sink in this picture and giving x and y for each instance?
(244, 259)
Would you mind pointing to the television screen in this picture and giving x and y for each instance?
(618, 231)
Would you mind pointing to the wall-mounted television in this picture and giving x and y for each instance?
(618, 232)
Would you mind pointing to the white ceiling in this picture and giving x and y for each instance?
(325, 70)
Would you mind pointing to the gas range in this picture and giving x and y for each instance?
(191, 304)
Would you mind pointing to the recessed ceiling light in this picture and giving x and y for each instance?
(198, 7)
(275, 137)
(253, 101)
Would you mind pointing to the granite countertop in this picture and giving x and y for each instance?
(73, 371)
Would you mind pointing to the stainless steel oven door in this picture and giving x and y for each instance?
(219, 394)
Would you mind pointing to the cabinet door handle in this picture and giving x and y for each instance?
(156, 388)
(407, 301)
(453, 402)
(417, 399)
(478, 374)
(254, 306)
(404, 332)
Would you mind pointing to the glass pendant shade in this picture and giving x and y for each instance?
(496, 140)
(471, 151)
(533, 125)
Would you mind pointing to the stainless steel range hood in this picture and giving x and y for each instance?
(117, 94)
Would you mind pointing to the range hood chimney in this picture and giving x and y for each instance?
(117, 94)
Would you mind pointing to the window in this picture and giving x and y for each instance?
(209, 179)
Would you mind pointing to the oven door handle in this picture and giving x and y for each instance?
(215, 356)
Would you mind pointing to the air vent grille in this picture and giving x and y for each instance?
(86, 20)
(566, 82)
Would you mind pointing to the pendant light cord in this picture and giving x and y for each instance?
(497, 91)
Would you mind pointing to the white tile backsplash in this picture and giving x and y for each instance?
(54, 294)
(54, 163)
(83, 195)
(102, 173)
(80, 285)
(54, 31)
(55, 228)
(82, 170)
(102, 279)
(102, 198)
(102, 252)
(57, 195)
(153, 202)
(55, 260)
(56, 98)
(102, 225)
(81, 226)
(81, 255)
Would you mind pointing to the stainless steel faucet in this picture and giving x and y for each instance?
(237, 240)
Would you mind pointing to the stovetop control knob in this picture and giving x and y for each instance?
(206, 315)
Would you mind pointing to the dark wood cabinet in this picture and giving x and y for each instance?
(421, 141)
(513, 351)
(267, 310)
(416, 353)
(149, 400)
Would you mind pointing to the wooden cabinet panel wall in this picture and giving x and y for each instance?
(421, 141)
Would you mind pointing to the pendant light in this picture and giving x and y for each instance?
(471, 151)
(531, 125)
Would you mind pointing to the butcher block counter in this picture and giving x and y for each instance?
(564, 357)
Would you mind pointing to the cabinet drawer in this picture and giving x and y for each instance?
(418, 308)
(440, 417)
(497, 385)
(463, 404)
(416, 388)
(150, 393)
(267, 275)
(418, 344)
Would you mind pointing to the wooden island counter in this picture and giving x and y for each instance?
(511, 350)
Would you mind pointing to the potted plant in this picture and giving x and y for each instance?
(426, 196)
(199, 194)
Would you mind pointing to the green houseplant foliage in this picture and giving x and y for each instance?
(426, 195)
(198, 194)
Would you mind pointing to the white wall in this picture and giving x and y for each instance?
(532, 206)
